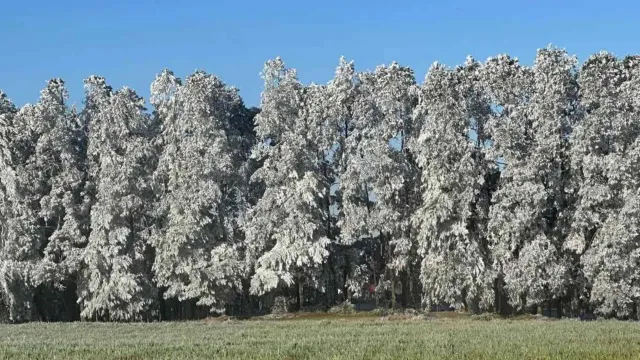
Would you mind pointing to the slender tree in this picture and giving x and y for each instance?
(115, 284)
(348, 275)
(53, 175)
(287, 228)
(379, 173)
(196, 251)
(14, 279)
(604, 155)
(455, 264)
(530, 205)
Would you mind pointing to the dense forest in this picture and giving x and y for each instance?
(492, 186)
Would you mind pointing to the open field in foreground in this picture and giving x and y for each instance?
(326, 337)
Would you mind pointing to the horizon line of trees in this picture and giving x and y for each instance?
(494, 187)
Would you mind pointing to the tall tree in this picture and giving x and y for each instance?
(605, 157)
(452, 217)
(22, 245)
(379, 173)
(197, 252)
(43, 191)
(54, 179)
(287, 229)
(343, 260)
(15, 281)
(531, 137)
(115, 284)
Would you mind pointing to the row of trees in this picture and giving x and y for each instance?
(494, 186)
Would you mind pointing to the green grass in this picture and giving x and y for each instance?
(322, 336)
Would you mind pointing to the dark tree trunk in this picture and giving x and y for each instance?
(300, 294)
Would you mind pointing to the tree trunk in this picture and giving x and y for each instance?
(392, 277)
(300, 294)
(409, 288)
(246, 298)
(465, 304)
(393, 290)
(71, 300)
(345, 277)
(559, 310)
(500, 301)
(161, 304)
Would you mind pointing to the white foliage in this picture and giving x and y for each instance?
(114, 282)
(197, 255)
(488, 177)
(607, 158)
(42, 183)
(286, 230)
(449, 223)
(377, 174)
(529, 216)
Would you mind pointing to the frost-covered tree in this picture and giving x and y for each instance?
(16, 294)
(605, 158)
(377, 183)
(54, 179)
(59, 164)
(348, 277)
(452, 217)
(22, 245)
(44, 193)
(324, 133)
(115, 284)
(528, 216)
(287, 228)
(97, 96)
(197, 253)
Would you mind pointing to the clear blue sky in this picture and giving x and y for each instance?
(129, 42)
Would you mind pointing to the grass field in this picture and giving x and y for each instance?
(326, 337)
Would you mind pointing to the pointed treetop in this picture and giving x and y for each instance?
(6, 106)
(164, 87)
(55, 92)
(96, 86)
(129, 95)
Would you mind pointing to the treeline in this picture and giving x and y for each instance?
(492, 186)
